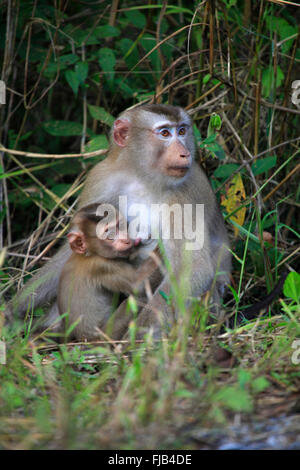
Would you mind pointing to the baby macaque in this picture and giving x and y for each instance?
(99, 266)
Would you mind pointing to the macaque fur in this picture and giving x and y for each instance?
(97, 268)
(151, 159)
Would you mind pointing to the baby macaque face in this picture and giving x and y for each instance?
(114, 241)
(107, 237)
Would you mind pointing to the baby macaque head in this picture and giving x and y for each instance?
(103, 235)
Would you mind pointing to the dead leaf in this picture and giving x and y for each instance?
(235, 196)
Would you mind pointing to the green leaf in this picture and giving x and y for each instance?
(206, 78)
(148, 42)
(25, 136)
(235, 398)
(80, 35)
(209, 140)
(197, 134)
(215, 123)
(67, 169)
(81, 70)
(199, 40)
(72, 80)
(67, 59)
(260, 384)
(168, 51)
(99, 113)
(63, 128)
(263, 164)
(60, 189)
(184, 393)
(230, 3)
(129, 50)
(106, 31)
(99, 142)
(144, 96)
(268, 80)
(136, 18)
(244, 377)
(286, 32)
(226, 170)
(77, 77)
(291, 287)
(124, 87)
(166, 297)
(284, 29)
(60, 64)
(217, 150)
(107, 61)
(234, 293)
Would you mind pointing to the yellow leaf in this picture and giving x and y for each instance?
(235, 196)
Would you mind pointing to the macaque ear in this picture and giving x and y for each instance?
(121, 131)
(77, 242)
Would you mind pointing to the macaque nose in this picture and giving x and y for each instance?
(183, 151)
(185, 154)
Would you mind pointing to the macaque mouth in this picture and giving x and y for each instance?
(180, 170)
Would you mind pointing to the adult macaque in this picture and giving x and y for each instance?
(151, 160)
(98, 267)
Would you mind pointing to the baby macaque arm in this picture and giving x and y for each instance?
(121, 279)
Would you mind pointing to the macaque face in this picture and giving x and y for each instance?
(166, 136)
(172, 156)
(108, 240)
(113, 241)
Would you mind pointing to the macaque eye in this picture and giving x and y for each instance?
(182, 131)
(165, 132)
(109, 233)
(112, 233)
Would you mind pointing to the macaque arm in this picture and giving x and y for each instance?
(144, 272)
(121, 280)
(156, 314)
(149, 273)
(150, 313)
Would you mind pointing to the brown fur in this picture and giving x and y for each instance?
(96, 269)
(86, 288)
